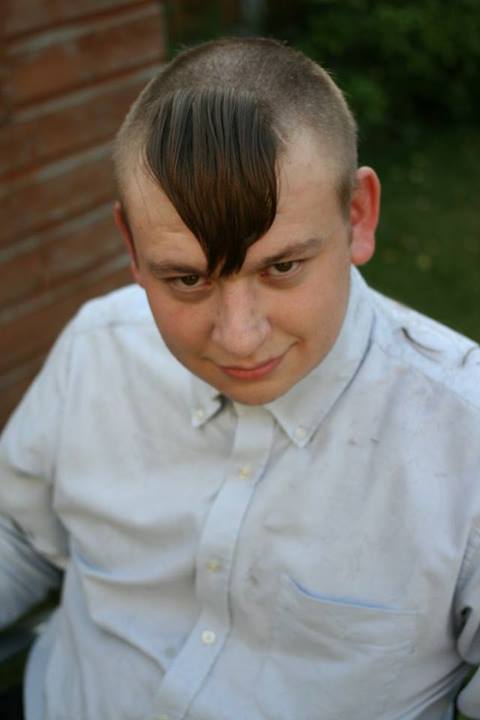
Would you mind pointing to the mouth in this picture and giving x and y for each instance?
(254, 372)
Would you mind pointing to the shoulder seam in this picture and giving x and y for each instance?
(425, 374)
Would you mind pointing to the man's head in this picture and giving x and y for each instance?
(242, 211)
(214, 124)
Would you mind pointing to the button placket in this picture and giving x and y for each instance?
(214, 565)
(245, 471)
(191, 668)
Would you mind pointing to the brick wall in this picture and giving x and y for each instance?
(68, 71)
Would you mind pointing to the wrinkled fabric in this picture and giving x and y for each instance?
(316, 558)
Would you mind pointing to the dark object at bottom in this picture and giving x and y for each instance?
(11, 704)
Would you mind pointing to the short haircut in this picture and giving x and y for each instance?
(211, 127)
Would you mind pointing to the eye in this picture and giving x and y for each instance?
(286, 268)
(188, 282)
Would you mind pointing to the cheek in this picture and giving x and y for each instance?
(320, 308)
(182, 326)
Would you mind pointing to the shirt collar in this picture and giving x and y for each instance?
(301, 410)
(206, 401)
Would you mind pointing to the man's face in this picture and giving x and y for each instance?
(255, 334)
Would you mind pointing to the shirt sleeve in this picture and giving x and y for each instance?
(468, 614)
(33, 541)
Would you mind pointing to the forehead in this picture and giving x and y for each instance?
(307, 206)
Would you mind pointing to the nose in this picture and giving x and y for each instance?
(241, 326)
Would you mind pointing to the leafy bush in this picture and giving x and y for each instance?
(401, 63)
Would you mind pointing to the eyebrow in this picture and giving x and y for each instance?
(291, 251)
(166, 268)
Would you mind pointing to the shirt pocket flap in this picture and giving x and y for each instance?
(344, 619)
(331, 653)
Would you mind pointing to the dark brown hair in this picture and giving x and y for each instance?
(211, 127)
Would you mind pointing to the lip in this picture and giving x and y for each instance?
(253, 373)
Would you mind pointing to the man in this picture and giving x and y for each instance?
(266, 506)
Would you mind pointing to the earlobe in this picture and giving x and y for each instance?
(124, 229)
(364, 213)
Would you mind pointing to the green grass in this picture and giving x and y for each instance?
(428, 243)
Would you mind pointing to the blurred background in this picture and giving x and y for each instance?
(70, 68)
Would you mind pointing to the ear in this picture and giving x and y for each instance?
(122, 225)
(364, 212)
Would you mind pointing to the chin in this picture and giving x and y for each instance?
(254, 395)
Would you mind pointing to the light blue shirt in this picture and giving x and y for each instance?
(317, 558)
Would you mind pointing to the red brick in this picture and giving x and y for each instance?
(68, 71)
(68, 125)
(56, 62)
(4, 106)
(28, 15)
(59, 256)
(49, 197)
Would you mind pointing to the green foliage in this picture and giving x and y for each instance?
(428, 249)
(400, 63)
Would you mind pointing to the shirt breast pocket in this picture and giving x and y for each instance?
(331, 659)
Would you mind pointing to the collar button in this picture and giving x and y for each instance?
(300, 433)
(199, 414)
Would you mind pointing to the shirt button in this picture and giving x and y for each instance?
(300, 433)
(208, 637)
(213, 565)
(199, 414)
(245, 471)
